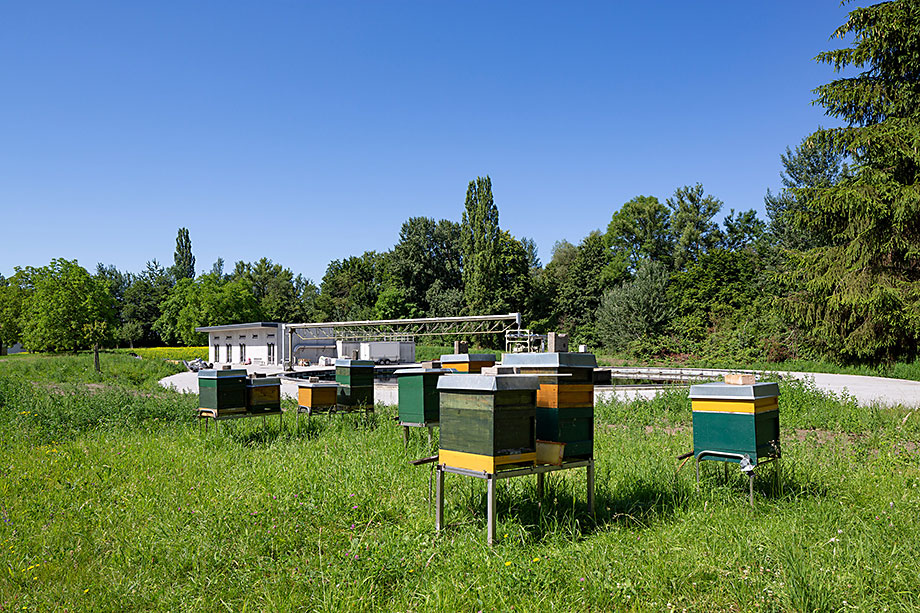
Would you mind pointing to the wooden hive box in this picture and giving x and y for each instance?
(735, 420)
(357, 373)
(263, 395)
(419, 400)
(487, 421)
(222, 392)
(467, 362)
(565, 400)
(355, 380)
(316, 396)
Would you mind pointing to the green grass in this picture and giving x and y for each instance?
(121, 504)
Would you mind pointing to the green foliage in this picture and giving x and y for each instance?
(859, 294)
(720, 281)
(350, 287)
(480, 240)
(692, 224)
(638, 309)
(204, 301)
(642, 230)
(64, 300)
(183, 259)
(427, 259)
(592, 268)
(812, 165)
(141, 304)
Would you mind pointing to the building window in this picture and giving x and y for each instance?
(216, 352)
(255, 336)
(271, 353)
(242, 352)
(229, 353)
(271, 336)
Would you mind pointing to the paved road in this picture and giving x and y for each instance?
(866, 390)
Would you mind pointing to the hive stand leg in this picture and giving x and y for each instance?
(439, 500)
(405, 436)
(540, 485)
(725, 472)
(490, 509)
(280, 422)
(430, 436)
(776, 478)
(751, 487)
(697, 472)
(590, 479)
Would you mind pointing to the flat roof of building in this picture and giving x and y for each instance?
(253, 324)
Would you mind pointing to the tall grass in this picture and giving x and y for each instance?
(138, 510)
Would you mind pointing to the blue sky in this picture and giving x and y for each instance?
(306, 132)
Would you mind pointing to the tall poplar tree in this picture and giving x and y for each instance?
(184, 266)
(481, 244)
(860, 294)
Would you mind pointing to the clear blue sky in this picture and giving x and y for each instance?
(336, 121)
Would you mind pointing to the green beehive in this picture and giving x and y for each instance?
(222, 392)
(419, 401)
(565, 400)
(487, 421)
(356, 383)
(731, 422)
(264, 395)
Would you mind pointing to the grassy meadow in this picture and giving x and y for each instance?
(112, 500)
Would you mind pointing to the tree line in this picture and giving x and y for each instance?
(832, 272)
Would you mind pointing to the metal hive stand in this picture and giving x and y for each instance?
(491, 478)
(744, 462)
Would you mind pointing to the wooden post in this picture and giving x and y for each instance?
(405, 436)
(539, 485)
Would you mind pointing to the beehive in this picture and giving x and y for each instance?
(355, 380)
(264, 395)
(487, 421)
(317, 396)
(222, 392)
(467, 362)
(419, 401)
(732, 421)
(565, 400)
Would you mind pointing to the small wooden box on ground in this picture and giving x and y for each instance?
(317, 396)
(731, 422)
(419, 400)
(487, 421)
(467, 362)
(356, 384)
(222, 392)
(565, 400)
(264, 395)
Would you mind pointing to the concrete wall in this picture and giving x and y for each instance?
(256, 340)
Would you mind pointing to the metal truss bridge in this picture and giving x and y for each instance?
(406, 329)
